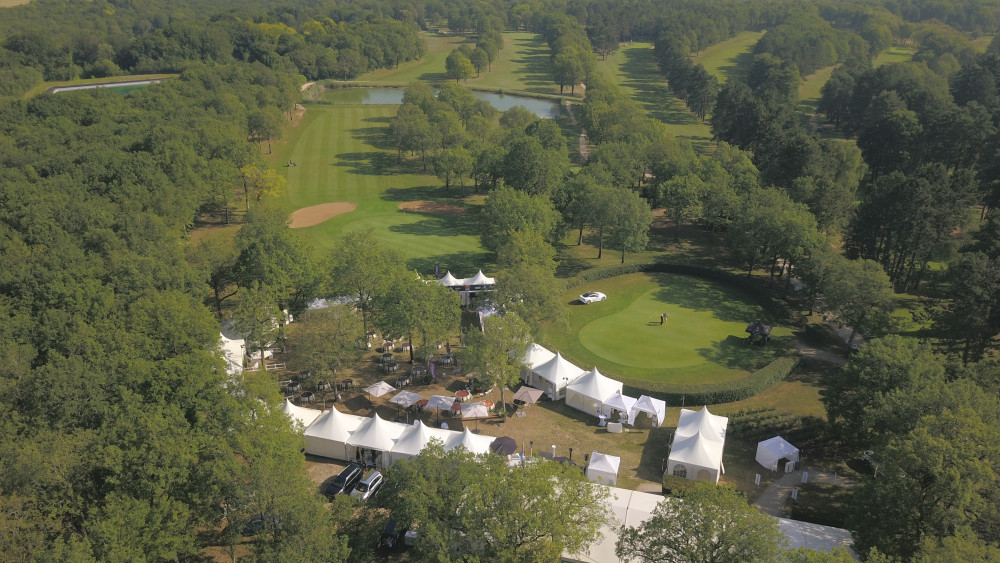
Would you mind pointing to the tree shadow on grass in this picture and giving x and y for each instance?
(370, 163)
(375, 137)
(536, 66)
(735, 353)
(642, 74)
(725, 303)
(460, 264)
(437, 225)
(654, 454)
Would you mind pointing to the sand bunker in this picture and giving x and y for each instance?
(432, 207)
(309, 216)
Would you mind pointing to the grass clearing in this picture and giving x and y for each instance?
(635, 69)
(341, 155)
(894, 54)
(12, 3)
(809, 90)
(731, 57)
(701, 342)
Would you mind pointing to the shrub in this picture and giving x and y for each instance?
(714, 393)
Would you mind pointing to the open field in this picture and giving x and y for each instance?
(731, 57)
(523, 66)
(9, 3)
(701, 342)
(341, 156)
(809, 90)
(635, 69)
(894, 54)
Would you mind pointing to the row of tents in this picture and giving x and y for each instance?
(586, 391)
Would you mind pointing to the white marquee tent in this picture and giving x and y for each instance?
(232, 350)
(554, 375)
(301, 414)
(603, 468)
(327, 436)
(772, 450)
(449, 280)
(696, 452)
(474, 443)
(535, 355)
(480, 280)
(622, 404)
(377, 434)
(414, 439)
(589, 392)
(655, 408)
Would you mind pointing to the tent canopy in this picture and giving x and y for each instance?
(758, 328)
(712, 426)
(653, 407)
(379, 389)
(376, 434)
(603, 468)
(479, 279)
(557, 372)
(590, 390)
(405, 398)
(300, 414)
(440, 402)
(537, 355)
(475, 410)
(696, 452)
(473, 443)
(449, 280)
(528, 395)
(620, 402)
(772, 450)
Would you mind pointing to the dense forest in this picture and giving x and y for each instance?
(123, 437)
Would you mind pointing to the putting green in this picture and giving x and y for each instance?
(703, 340)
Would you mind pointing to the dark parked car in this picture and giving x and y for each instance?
(345, 482)
(259, 521)
(390, 538)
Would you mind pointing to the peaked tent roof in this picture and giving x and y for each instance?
(620, 402)
(604, 462)
(232, 349)
(649, 405)
(596, 385)
(474, 443)
(449, 280)
(376, 434)
(334, 425)
(537, 355)
(301, 414)
(480, 279)
(557, 369)
(713, 427)
(697, 450)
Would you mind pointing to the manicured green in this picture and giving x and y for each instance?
(894, 54)
(635, 69)
(39, 88)
(341, 155)
(809, 90)
(702, 342)
(729, 58)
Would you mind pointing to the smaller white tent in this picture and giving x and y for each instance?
(301, 414)
(772, 450)
(696, 452)
(473, 443)
(327, 436)
(449, 280)
(621, 403)
(655, 408)
(603, 468)
(589, 392)
(479, 279)
(232, 350)
(554, 375)
(535, 355)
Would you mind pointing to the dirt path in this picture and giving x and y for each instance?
(305, 86)
(583, 140)
(822, 355)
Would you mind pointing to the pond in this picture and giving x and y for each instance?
(394, 96)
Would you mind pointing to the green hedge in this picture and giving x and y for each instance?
(714, 393)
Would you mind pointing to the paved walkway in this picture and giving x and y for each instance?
(772, 500)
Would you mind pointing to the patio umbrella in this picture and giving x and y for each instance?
(379, 389)
(405, 399)
(528, 395)
(475, 410)
(503, 446)
(440, 402)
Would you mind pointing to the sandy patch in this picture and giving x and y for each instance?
(433, 208)
(309, 216)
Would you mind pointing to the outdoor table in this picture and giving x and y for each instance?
(456, 407)
(386, 358)
(446, 359)
(347, 384)
(489, 405)
(462, 395)
(602, 420)
(418, 370)
(391, 367)
(421, 404)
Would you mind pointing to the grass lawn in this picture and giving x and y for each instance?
(39, 88)
(894, 54)
(635, 69)
(701, 342)
(523, 67)
(9, 3)
(809, 90)
(729, 58)
(341, 156)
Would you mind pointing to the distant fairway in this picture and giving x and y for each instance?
(894, 54)
(635, 69)
(729, 58)
(702, 342)
(810, 89)
(341, 156)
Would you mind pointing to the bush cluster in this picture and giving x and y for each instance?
(714, 393)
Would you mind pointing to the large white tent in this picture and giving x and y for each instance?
(772, 450)
(655, 408)
(474, 443)
(377, 434)
(327, 436)
(232, 350)
(479, 280)
(554, 375)
(299, 414)
(449, 280)
(696, 452)
(590, 390)
(535, 355)
(414, 439)
(603, 468)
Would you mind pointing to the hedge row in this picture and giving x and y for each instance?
(714, 393)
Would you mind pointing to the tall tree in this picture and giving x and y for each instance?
(364, 268)
(261, 183)
(526, 279)
(324, 340)
(495, 351)
(629, 229)
(706, 523)
(860, 294)
(256, 317)
(426, 314)
(458, 66)
(507, 211)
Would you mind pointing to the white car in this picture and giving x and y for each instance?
(592, 296)
(368, 486)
